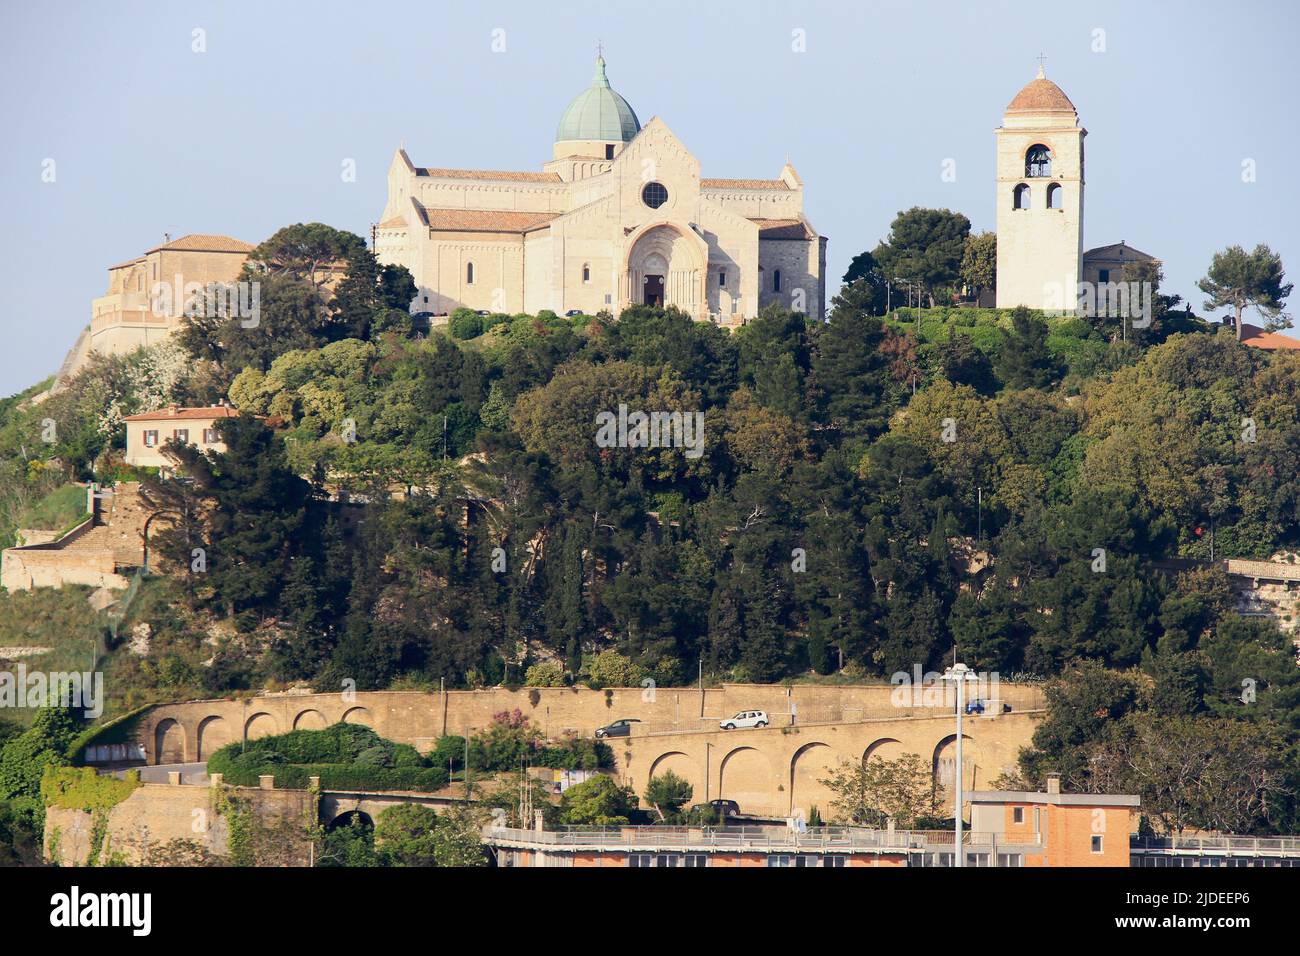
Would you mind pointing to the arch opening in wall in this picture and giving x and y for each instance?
(260, 724)
(1038, 162)
(348, 818)
(1055, 196)
(776, 281)
(810, 765)
(1020, 197)
(169, 742)
(469, 273)
(214, 733)
(310, 720)
(586, 273)
(358, 715)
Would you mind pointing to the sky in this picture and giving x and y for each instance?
(1190, 109)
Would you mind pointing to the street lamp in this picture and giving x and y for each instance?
(959, 674)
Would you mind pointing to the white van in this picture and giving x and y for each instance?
(746, 718)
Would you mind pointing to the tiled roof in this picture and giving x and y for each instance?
(1118, 250)
(1254, 336)
(491, 174)
(201, 242)
(743, 184)
(782, 229)
(397, 222)
(484, 220)
(175, 413)
(1040, 95)
(124, 265)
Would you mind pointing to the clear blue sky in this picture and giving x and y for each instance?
(149, 137)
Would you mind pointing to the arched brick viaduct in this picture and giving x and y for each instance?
(774, 771)
(777, 771)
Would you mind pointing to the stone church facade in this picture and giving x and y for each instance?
(619, 216)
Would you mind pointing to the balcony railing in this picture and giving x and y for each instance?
(1217, 845)
(757, 838)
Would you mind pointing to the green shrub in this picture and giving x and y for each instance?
(465, 324)
(548, 674)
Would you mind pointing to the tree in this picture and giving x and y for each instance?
(1223, 775)
(667, 794)
(874, 791)
(305, 251)
(1024, 360)
(979, 262)
(415, 835)
(1238, 278)
(599, 801)
(871, 285)
(925, 246)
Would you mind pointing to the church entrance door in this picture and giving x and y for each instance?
(654, 291)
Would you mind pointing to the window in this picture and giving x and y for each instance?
(182, 435)
(210, 436)
(586, 273)
(1038, 162)
(640, 859)
(1103, 275)
(1018, 815)
(609, 150)
(1010, 859)
(1096, 844)
(835, 859)
(722, 278)
(469, 273)
(151, 439)
(1055, 197)
(776, 281)
(696, 860)
(780, 859)
(1020, 197)
(654, 195)
(977, 859)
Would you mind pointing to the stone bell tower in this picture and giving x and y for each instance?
(1040, 199)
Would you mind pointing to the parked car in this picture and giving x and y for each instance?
(746, 718)
(619, 728)
(572, 313)
(717, 809)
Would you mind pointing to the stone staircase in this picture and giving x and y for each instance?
(118, 527)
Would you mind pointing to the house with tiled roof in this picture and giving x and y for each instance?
(148, 433)
(619, 215)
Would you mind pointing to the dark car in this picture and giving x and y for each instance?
(717, 809)
(574, 313)
(619, 728)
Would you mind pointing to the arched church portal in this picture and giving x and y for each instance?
(664, 268)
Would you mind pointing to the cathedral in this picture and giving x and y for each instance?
(619, 216)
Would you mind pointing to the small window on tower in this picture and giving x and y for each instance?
(609, 150)
(722, 278)
(1020, 197)
(586, 273)
(776, 281)
(1054, 196)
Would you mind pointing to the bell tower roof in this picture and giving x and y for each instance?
(1041, 95)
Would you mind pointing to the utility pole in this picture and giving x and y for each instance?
(959, 674)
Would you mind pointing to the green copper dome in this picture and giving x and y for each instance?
(598, 113)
